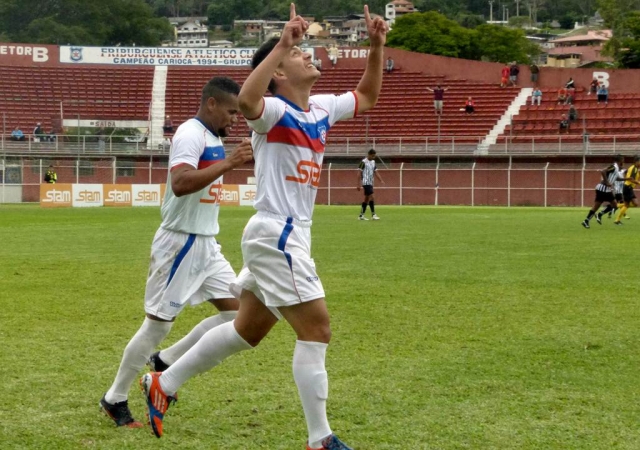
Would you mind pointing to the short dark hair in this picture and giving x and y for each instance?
(619, 157)
(261, 54)
(636, 158)
(371, 152)
(218, 87)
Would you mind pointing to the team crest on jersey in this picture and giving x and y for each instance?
(322, 132)
(76, 54)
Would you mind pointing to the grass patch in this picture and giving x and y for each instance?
(454, 328)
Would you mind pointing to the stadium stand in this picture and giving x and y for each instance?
(31, 94)
(405, 107)
(598, 121)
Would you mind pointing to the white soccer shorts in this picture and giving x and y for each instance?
(278, 267)
(185, 269)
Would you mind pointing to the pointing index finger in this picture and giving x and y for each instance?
(367, 17)
(292, 11)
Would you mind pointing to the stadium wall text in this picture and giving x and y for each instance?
(66, 195)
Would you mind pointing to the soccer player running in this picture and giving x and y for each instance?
(367, 170)
(617, 190)
(186, 266)
(604, 192)
(279, 278)
(629, 197)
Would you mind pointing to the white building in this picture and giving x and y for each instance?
(191, 34)
(398, 8)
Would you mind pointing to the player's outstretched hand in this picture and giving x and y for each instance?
(358, 188)
(241, 154)
(294, 30)
(377, 29)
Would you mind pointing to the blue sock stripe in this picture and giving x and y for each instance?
(183, 252)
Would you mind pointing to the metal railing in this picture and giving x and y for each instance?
(82, 144)
(412, 146)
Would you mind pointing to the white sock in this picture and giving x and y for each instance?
(213, 348)
(313, 386)
(171, 354)
(136, 354)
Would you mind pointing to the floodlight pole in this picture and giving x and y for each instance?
(490, 10)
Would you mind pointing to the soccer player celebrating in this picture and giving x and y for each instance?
(186, 266)
(279, 278)
(629, 197)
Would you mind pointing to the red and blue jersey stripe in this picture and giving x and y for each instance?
(210, 156)
(291, 131)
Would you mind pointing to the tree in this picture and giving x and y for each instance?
(625, 45)
(432, 33)
(501, 44)
(82, 22)
(469, 20)
(613, 11)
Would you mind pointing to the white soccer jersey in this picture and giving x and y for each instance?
(288, 147)
(612, 176)
(368, 168)
(620, 181)
(197, 146)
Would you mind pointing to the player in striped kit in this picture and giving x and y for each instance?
(617, 191)
(604, 191)
(279, 278)
(367, 170)
(186, 265)
(632, 178)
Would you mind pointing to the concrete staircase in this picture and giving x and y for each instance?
(513, 110)
(156, 134)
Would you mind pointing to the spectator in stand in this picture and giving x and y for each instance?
(536, 97)
(562, 96)
(603, 94)
(51, 137)
(333, 55)
(438, 98)
(593, 87)
(318, 64)
(535, 71)
(504, 80)
(570, 84)
(571, 94)
(390, 64)
(573, 113)
(168, 125)
(564, 124)
(514, 70)
(17, 134)
(469, 106)
(38, 133)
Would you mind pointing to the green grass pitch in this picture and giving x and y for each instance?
(453, 328)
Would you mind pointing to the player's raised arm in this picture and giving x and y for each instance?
(255, 86)
(370, 84)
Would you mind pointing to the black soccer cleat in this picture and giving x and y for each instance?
(119, 413)
(599, 219)
(585, 224)
(156, 364)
